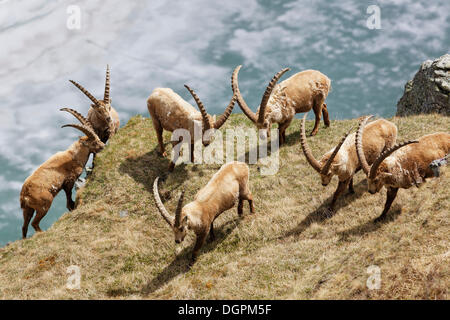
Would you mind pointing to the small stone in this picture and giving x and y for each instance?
(123, 213)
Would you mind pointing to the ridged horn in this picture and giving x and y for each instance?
(107, 85)
(327, 165)
(87, 93)
(85, 129)
(266, 96)
(359, 146)
(226, 114)
(79, 116)
(386, 153)
(162, 210)
(307, 152)
(235, 86)
(178, 211)
(206, 121)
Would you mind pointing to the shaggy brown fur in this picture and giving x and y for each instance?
(170, 112)
(227, 185)
(59, 172)
(403, 168)
(343, 161)
(301, 92)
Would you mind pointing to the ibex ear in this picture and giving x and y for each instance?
(185, 220)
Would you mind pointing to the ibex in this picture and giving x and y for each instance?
(226, 186)
(301, 92)
(342, 161)
(403, 169)
(170, 112)
(59, 172)
(101, 114)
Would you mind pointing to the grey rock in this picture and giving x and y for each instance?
(123, 213)
(429, 90)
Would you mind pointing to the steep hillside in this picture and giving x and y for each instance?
(291, 248)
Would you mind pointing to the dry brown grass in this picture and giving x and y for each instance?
(290, 249)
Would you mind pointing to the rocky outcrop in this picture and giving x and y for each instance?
(429, 91)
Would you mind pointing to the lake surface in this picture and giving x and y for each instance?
(151, 44)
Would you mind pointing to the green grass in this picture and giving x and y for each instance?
(289, 249)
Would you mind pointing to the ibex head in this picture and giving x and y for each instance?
(260, 119)
(209, 122)
(378, 174)
(101, 107)
(325, 167)
(179, 222)
(91, 140)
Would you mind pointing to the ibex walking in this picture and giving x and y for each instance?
(59, 172)
(227, 185)
(403, 169)
(342, 161)
(102, 115)
(301, 92)
(170, 112)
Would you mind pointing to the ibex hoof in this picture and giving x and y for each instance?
(379, 219)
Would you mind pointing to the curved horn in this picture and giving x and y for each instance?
(226, 114)
(327, 165)
(359, 147)
(107, 84)
(79, 116)
(162, 210)
(178, 211)
(312, 161)
(266, 96)
(86, 130)
(235, 86)
(206, 123)
(87, 93)
(386, 153)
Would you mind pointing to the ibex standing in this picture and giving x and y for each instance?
(405, 168)
(227, 185)
(59, 172)
(102, 115)
(301, 92)
(342, 161)
(170, 112)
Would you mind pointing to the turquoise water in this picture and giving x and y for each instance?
(152, 44)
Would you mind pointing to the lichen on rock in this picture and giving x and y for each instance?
(429, 90)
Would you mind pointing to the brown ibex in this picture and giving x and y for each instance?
(301, 92)
(59, 172)
(226, 186)
(342, 161)
(101, 114)
(170, 112)
(404, 168)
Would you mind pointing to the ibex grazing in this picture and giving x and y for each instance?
(403, 169)
(102, 115)
(301, 92)
(227, 185)
(170, 112)
(59, 172)
(342, 161)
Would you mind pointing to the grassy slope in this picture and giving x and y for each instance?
(289, 249)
